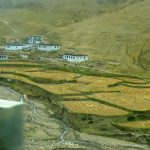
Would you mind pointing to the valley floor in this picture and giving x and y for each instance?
(42, 131)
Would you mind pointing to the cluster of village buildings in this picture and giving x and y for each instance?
(33, 42)
(36, 43)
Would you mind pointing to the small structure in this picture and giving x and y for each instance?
(10, 125)
(75, 58)
(3, 57)
(48, 47)
(14, 47)
(35, 40)
(25, 55)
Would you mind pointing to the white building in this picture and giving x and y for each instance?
(35, 40)
(48, 47)
(75, 58)
(3, 57)
(11, 125)
(14, 47)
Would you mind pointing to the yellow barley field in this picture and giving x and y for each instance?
(36, 72)
(123, 100)
(18, 63)
(18, 69)
(139, 93)
(125, 79)
(137, 124)
(129, 97)
(94, 108)
(100, 82)
(54, 75)
(15, 77)
(53, 88)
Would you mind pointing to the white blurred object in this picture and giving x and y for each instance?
(11, 125)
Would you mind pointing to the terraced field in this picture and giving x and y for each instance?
(137, 124)
(87, 95)
(94, 108)
(124, 100)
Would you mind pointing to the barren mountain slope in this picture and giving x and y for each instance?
(121, 36)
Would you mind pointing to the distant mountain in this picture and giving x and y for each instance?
(107, 30)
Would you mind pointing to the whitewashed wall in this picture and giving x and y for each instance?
(48, 48)
(3, 57)
(14, 47)
(72, 58)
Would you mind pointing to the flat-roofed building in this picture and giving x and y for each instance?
(75, 58)
(49, 47)
(14, 47)
(35, 40)
(3, 57)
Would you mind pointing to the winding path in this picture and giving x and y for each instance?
(24, 99)
(66, 131)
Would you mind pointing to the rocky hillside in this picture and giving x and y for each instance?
(106, 30)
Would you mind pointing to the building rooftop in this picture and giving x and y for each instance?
(75, 54)
(49, 44)
(36, 36)
(3, 55)
(9, 104)
(14, 44)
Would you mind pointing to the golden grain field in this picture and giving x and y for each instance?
(95, 108)
(136, 124)
(126, 79)
(86, 87)
(18, 63)
(54, 75)
(123, 100)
